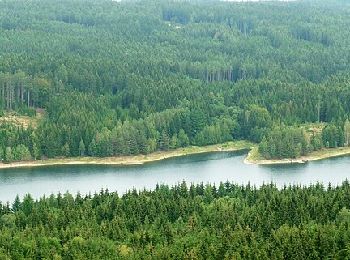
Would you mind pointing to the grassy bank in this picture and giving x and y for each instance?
(132, 160)
(254, 156)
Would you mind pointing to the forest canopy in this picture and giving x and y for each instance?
(181, 222)
(110, 78)
(133, 77)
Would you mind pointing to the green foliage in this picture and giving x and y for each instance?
(316, 142)
(255, 123)
(292, 142)
(198, 222)
(66, 150)
(333, 136)
(347, 132)
(82, 148)
(8, 157)
(219, 133)
(21, 153)
(125, 78)
(183, 139)
(284, 142)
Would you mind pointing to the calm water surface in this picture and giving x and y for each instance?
(211, 167)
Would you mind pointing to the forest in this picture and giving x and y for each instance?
(107, 78)
(133, 77)
(181, 222)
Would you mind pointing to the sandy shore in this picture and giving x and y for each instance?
(253, 156)
(132, 160)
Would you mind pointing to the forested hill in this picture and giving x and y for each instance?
(120, 78)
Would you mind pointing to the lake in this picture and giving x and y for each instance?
(210, 167)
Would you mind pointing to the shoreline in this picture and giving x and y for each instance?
(132, 160)
(253, 157)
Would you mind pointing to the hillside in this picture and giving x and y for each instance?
(129, 78)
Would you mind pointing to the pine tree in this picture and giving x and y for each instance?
(173, 142)
(21, 153)
(81, 148)
(347, 132)
(8, 155)
(93, 148)
(16, 204)
(263, 148)
(36, 152)
(183, 139)
(164, 141)
(1, 154)
(66, 150)
(143, 144)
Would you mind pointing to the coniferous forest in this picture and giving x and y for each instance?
(110, 78)
(133, 77)
(182, 222)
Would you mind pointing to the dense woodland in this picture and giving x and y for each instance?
(123, 78)
(292, 142)
(133, 77)
(182, 222)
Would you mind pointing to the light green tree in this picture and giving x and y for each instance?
(66, 150)
(21, 153)
(81, 148)
(8, 155)
(347, 132)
